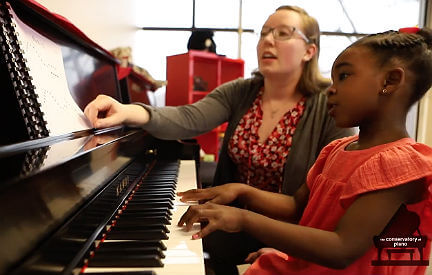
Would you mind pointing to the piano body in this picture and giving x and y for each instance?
(91, 202)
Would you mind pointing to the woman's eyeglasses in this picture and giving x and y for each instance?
(282, 33)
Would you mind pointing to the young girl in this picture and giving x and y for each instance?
(357, 184)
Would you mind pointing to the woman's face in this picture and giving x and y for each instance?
(284, 57)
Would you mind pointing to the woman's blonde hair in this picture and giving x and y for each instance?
(311, 81)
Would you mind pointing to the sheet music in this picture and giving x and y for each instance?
(45, 64)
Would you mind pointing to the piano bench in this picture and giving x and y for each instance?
(400, 250)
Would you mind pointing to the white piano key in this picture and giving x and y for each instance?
(183, 256)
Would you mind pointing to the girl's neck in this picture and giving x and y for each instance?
(380, 133)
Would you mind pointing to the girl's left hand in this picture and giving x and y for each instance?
(254, 255)
(218, 217)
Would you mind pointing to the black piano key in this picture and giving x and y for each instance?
(132, 222)
(133, 244)
(150, 190)
(154, 195)
(146, 214)
(125, 260)
(164, 170)
(161, 177)
(164, 197)
(143, 199)
(166, 202)
(146, 187)
(131, 250)
(149, 210)
(144, 192)
(155, 184)
(150, 234)
(140, 227)
(144, 220)
(149, 217)
(148, 205)
(149, 201)
(158, 181)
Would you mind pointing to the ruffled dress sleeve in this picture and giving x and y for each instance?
(390, 168)
(393, 167)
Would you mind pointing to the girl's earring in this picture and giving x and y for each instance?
(384, 90)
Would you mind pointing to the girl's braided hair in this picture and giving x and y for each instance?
(411, 49)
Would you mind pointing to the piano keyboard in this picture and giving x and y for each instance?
(182, 255)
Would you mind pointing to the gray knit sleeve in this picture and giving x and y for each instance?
(187, 121)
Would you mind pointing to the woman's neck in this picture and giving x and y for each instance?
(280, 89)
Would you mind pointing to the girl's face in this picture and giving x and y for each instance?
(284, 57)
(353, 98)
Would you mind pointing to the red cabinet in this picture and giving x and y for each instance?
(194, 74)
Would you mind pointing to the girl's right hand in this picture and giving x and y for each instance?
(105, 111)
(218, 217)
(222, 194)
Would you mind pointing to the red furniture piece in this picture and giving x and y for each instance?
(135, 84)
(191, 76)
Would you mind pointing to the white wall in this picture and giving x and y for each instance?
(113, 23)
(107, 22)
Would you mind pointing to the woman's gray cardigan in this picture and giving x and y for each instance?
(229, 102)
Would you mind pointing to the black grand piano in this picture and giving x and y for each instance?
(92, 201)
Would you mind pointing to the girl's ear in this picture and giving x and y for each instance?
(394, 79)
(310, 52)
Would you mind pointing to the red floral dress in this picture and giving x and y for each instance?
(261, 164)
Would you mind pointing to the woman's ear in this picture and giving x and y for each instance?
(311, 50)
(394, 79)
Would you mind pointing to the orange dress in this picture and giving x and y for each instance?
(336, 179)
